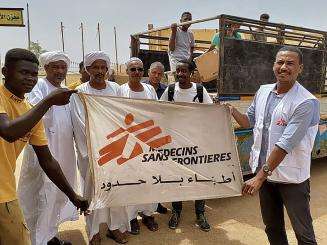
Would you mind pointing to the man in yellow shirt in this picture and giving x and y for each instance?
(20, 124)
(85, 77)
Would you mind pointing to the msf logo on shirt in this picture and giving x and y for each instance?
(281, 122)
(127, 146)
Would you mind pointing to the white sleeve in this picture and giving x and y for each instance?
(206, 97)
(77, 113)
(35, 97)
(164, 96)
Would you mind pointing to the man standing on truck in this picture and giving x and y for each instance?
(181, 42)
(260, 36)
(231, 32)
(285, 118)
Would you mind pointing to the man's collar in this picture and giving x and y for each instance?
(180, 28)
(149, 82)
(274, 89)
(10, 95)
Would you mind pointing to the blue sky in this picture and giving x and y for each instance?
(133, 16)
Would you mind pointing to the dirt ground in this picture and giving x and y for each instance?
(234, 221)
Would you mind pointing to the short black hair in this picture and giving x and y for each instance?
(81, 65)
(264, 16)
(191, 65)
(17, 54)
(186, 13)
(292, 49)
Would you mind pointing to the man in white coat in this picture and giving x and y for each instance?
(36, 192)
(136, 90)
(96, 64)
(285, 118)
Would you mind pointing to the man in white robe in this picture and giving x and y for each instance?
(97, 64)
(137, 90)
(36, 191)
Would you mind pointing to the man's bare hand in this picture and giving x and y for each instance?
(252, 185)
(216, 100)
(173, 27)
(60, 96)
(230, 107)
(81, 203)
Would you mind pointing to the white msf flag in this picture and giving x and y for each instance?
(144, 151)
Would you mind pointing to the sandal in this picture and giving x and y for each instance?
(117, 236)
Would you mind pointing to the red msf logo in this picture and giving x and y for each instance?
(116, 148)
(281, 122)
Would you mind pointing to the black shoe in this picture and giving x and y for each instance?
(161, 209)
(150, 223)
(57, 241)
(202, 222)
(135, 227)
(174, 220)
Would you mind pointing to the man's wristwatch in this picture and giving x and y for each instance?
(266, 170)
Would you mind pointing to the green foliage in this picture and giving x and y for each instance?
(37, 49)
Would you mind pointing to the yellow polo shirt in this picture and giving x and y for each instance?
(9, 152)
(74, 85)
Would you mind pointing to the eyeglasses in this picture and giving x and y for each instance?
(138, 69)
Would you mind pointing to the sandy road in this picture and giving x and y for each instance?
(234, 221)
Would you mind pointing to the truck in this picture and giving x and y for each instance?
(245, 64)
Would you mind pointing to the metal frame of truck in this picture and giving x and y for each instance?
(246, 64)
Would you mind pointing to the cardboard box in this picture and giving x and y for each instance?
(208, 65)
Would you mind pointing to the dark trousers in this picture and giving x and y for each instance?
(199, 206)
(296, 199)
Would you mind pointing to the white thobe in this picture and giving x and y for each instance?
(148, 93)
(44, 206)
(114, 217)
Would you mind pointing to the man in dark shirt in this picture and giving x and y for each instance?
(156, 72)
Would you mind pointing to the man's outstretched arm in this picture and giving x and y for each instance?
(240, 118)
(55, 174)
(172, 38)
(12, 130)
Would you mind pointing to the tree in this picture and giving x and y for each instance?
(37, 49)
